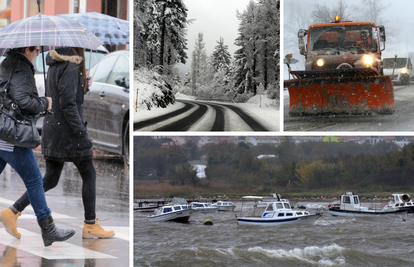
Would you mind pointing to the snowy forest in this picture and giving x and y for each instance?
(300, 14)
(160, 44)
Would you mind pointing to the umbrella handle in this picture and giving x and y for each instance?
(38, 4)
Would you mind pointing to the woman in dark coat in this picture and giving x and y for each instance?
(64, 135)
(23, 92)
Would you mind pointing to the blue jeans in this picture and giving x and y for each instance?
(23, 161)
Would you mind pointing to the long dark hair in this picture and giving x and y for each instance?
(81, 52)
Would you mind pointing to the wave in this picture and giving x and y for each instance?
(331, 255)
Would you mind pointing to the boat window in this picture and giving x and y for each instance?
(398, 204)
(281, 215)
(289, 214)
(356, 200)
(279, 206)
(298, 213)
(270, 207)
(184, 207)
(346, 199)
(287, 206)
(167, 210)
(198, 206)
(177, 208)
(307, 213)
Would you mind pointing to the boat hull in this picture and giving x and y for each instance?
(205, 210)
(306, 219)
(226, 208)
(356, 213)
(177, 216)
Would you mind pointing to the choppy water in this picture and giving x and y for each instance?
(332, 241)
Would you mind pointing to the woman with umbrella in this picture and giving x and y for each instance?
(18, 66)
(64, 135)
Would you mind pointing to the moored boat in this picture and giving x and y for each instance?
(276, 213)
(224, 205)
(401, 201)
(351, 206)
(177, 211)
(202, 207)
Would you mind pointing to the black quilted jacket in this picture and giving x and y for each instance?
(64, 135)
(22, 84)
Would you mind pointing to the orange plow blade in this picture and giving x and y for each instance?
(344, 91)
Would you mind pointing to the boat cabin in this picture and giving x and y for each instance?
(224, 203)
(170, 208)
(349, 201)
(281, 209)
(402, 200)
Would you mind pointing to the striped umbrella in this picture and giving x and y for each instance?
(47, 31)
(108, 29)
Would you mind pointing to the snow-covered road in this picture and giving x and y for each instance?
(192, 115)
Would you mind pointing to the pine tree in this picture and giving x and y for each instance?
(199, 62)
(221, 57)
(172, 20)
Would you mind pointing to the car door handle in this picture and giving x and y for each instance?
(102, 94)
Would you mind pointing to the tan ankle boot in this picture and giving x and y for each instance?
(9, 219)
(95, 230)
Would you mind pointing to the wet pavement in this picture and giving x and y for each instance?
(112, 203)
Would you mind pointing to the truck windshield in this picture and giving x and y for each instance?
(389, 63)
(356, 39)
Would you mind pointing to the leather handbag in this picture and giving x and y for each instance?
(16, 128)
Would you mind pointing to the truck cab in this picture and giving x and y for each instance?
(342, 45)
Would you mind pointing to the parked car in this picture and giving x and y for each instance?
(106, 106)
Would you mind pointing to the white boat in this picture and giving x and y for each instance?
(401, 201)
(224, 205)
(177, 211)
(202, 207)
(276, 213)
(351, 206)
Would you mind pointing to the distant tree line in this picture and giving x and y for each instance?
(310, 165)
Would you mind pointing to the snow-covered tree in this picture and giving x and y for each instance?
(199, 62)
(259, 32)
(221, 56)
(173, 21)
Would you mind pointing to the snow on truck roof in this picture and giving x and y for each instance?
(342, 23)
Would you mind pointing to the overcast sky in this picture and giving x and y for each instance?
(215, 19)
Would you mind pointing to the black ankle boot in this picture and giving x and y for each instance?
(51, 234)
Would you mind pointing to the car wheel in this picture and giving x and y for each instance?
(126, 144)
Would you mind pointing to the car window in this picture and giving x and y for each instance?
(92, 58)
(121, 68)
(101, 71)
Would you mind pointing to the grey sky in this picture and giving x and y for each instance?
(215, 19)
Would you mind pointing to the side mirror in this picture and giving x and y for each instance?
(120, 81)
(382, 33)
(301, 34)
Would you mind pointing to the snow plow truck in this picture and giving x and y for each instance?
(343, 71)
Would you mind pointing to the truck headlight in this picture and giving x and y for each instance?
(404, 70)
(368, 60)
(320, 62)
